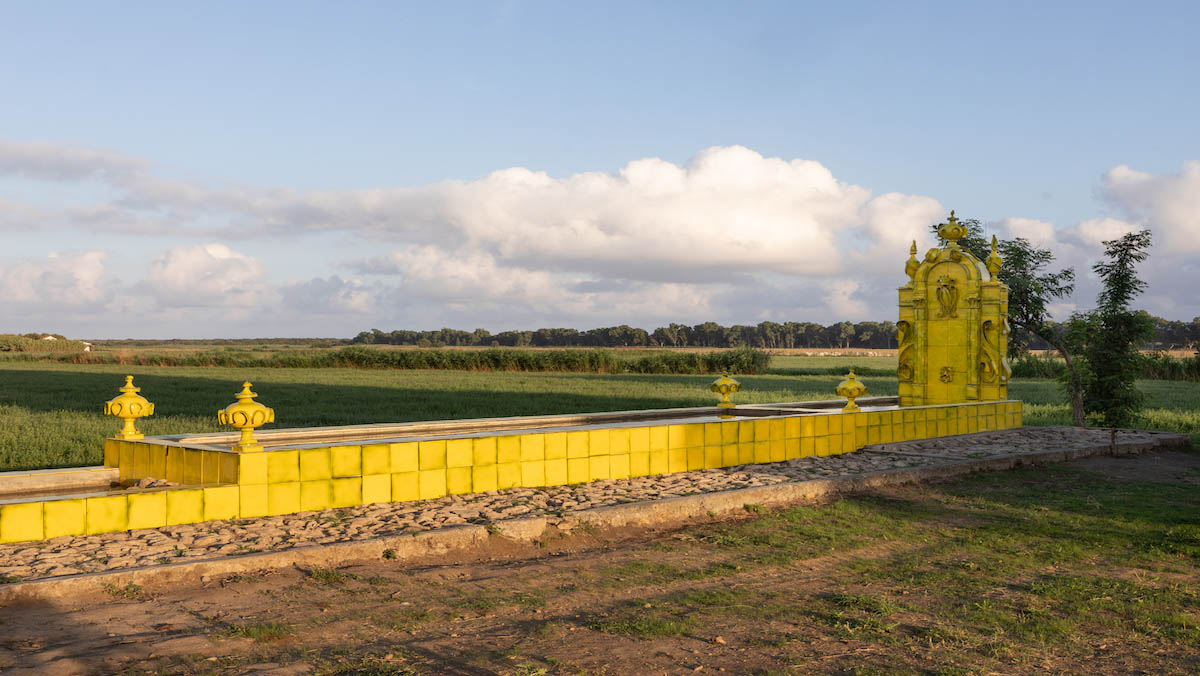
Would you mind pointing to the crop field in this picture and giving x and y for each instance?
(51, 413)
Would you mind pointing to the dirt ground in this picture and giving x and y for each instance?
(591, 603)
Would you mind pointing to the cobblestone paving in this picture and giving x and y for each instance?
(70, 555)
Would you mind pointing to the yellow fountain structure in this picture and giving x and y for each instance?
(953, 379)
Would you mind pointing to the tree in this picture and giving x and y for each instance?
(1110, 335)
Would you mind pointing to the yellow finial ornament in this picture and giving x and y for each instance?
(994, 262)
(725, 386)
(129, 406)
(910, 268)
(851, 389)
(246, 414)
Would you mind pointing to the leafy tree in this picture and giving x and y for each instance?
(1110, 335)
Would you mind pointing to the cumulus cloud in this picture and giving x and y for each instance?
(60, 280)
(1169, 205)
(332, 295)
(64, 162)
(206, 275)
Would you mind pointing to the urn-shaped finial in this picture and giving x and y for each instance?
(725, 386)
(129, 406)
(246, 414)
(952, 230)
(994, 262)
(851, 389)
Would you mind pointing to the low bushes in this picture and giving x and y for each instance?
(13, 343)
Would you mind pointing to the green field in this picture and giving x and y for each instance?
(50, 414)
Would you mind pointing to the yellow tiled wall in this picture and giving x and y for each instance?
(223, 485)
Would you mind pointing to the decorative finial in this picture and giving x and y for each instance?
(851, 389)
(952, 230)
(725, 386)
(910, 268)
(246, 414)
(129, 406)
(994, 262)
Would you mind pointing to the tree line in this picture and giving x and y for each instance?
(867, 335)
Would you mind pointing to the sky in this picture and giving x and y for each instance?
(295, 169)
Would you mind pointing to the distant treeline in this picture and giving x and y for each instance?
(1153, 366)
(742, 361)
(767, 335)
(764, 335)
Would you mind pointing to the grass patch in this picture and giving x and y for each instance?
(260, 631)
(130, 591)
(330, 576)
(633, 619)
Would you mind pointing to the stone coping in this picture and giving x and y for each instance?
(72, 565)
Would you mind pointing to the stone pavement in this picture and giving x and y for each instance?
(220, 539)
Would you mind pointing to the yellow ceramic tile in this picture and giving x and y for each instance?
(64, 517)
(21, 521)
(729, 455)
(847, 422)
(676, 437)
(762, 451)
(347, 492)
(283, 467)
(484, 451)
(619, 466)
(508, 475)
(460, 453)
(533, 447)
(639, 440)
(556, 471)
(185, 506)
(508, 448)
(125, 460)
(910, 431)
(778, 429)
(848, 443)
(659, 438)
(639, 463)
(147, 510)
(252, 500)
(712, 434)
(229, 468)
(376, 488)
(431, 483)
(404, 457)
(483, 478)
(660, 462)
(315, 466)
(808, 447)
(618, 441)
(577, 469)
(107, 514)
(212, 467)
(533, 473)
(220, 503)
(598, 442)
(745, 431)
(822, 446)
(677, 459)
(112, 452)
(347, 461)
(158, 462)
(283, 498)
(316, 495)
(695, 458)
(599, 468)
(791, 428)
(406, 486)
(762, 430)
(821, 425)
(376, 459)
(458, 480)
(808, 426)
(885, 434)
(252, 468)
(432, 455)
(712, 457)
(778, 453)
(746, 453)
(577, 445)
(693, 435)
(141, 461)
(193, 467)
(729, 432)
(556, 446)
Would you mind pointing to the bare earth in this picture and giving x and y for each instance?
(515, 610)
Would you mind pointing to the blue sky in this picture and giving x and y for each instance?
(332, 168)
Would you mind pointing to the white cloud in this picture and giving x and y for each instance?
(206, 275)
(333, 295)
(64, 162)
(61, 280)
(1169, 205)
(1037, 232)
